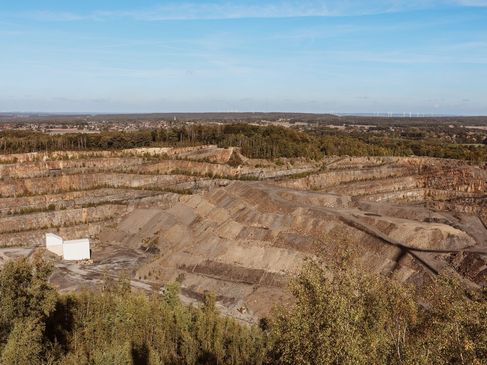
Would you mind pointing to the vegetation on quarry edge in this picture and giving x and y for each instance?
(339, 315)
(265, 142)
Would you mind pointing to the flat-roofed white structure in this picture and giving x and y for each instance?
(69, 250)
(76, 249)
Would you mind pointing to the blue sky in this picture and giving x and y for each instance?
(426, 56)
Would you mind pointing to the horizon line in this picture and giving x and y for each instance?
(338, 114)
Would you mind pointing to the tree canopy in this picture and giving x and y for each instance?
(340, 315)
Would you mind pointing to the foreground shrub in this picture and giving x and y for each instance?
(346, 316)
(340, 315)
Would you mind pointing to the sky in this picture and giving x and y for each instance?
(328, 56)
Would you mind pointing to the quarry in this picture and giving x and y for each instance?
(222, 182)
(216, 221)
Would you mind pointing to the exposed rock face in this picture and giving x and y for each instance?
(49, 167)
(250, 224)
(245, 240)
(73, 199)
(67, 183)
(453, 177)
(337, 177)
(59, 218)
(33, 238)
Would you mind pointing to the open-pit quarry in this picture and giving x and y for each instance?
(214, 220)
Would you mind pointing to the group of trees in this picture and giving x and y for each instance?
(430, 148)
(389, 144)
(340, 315)
(345, 316)
(340, 145)
(17, 141)
(267, 142)
(256, 142)
(113, 325)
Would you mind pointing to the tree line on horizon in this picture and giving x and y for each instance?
(264, 142)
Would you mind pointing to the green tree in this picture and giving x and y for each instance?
(452, 327)
(25, 343)
(26, 302)
(25, 293)
(342, 316)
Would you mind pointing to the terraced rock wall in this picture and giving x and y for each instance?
(242, 229)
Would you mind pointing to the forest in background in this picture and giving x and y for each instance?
(349, 317)
(267, 142)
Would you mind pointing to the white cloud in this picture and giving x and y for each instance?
(45, 15)
(478, 3)
(190, 10)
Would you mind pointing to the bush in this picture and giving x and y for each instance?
(340, 315)
(346, 316)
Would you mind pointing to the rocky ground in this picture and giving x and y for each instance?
(216, 221)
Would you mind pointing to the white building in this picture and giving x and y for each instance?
(69, 250)
(54, 243)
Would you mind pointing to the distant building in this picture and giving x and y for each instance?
(70, 249)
